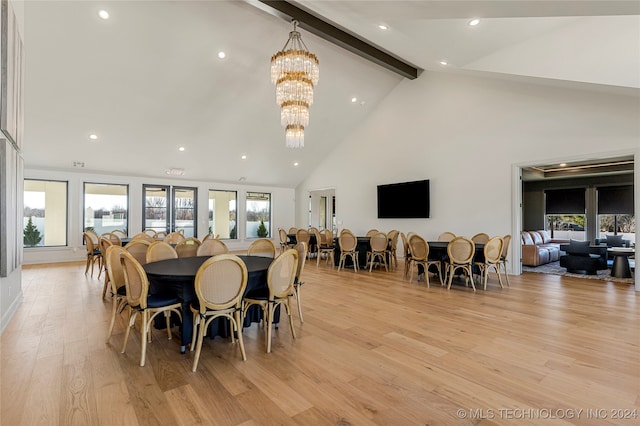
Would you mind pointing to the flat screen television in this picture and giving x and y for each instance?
(404, 200)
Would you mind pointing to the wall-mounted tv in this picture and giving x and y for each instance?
(404, 200)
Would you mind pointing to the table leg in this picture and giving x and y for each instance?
(620, 267)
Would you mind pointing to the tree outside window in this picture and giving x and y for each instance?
(45, 213)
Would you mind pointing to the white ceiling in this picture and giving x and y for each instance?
(148, 79)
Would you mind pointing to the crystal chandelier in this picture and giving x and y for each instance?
(294, 71)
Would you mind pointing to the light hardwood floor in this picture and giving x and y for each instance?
(373, 349)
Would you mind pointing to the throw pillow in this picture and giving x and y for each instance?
(579, 248)
(614, 241)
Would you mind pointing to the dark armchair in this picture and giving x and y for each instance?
(613, 241)
(582, 257)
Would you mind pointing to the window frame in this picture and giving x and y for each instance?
(211, 212)
(66, 213)
(246, 211)
(84, 206)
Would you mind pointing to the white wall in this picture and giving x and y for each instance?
(282, 209)
(465, 134)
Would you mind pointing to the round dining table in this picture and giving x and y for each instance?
(177, 277)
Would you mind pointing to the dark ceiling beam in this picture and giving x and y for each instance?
(330, 32)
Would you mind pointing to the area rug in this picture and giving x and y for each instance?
(554, 268)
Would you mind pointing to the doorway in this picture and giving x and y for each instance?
(322, 209)
(534, 183)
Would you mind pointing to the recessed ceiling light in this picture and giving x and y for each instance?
(103, 14)
(296, 164)
(444, 63)
(181, 149)
(244, 157)
(93, 136)
(354, 100)
(383, 27)
(473, 22)
(222, 55)
(563, 164)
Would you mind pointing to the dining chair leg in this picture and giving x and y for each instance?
(112, 323)
(132, 320)
(506, 275)
(426, 274)
(297, 290)
(145, 331)
(236, 325)
(450, 271)
(470, 276)
(270, 309)
(497, 268)
(196, 357)
(195, 330)
(287, 305)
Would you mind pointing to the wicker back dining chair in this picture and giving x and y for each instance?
(148, 306)
(93, 251)
(446, 236)
(138, 248)
(159, 250)
(301, 248)
(212, 247)
(143, 236)
(280, 279)
(188, 247)
(420, 256)
(407, 254)
(284, 240)
(371, 232)
(480, 238)
(378, 244)
(506, 242)
(348, 248)
(104, 243)
(262, 247)
(117, 284)
(219, 285)
(120, 233)
(392, 236)
(174, 237)
(492, 252)
(326, 247)
(460, 251)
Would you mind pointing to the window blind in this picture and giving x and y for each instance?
(615, 199)
(565, 201)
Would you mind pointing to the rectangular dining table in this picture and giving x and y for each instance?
(177, 277)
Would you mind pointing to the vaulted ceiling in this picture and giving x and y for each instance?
(148, 80)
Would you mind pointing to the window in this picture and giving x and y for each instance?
(170, 213)
(106, 207)
(45, 213)
(258, 214)
(323, 213)
(615, 211)
(223, 216)
(565, 210)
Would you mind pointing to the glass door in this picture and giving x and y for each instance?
(156, 208)
(184, 211)
(170, 209)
